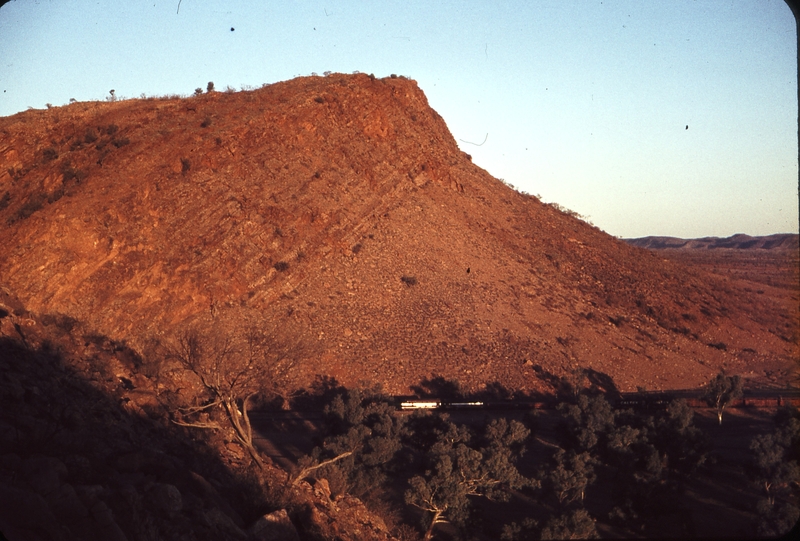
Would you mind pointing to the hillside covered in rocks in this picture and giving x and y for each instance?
(339, 213)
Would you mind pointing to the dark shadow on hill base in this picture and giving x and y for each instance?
(79, 463)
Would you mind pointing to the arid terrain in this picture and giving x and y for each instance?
(339, 212)
(773, 260)
(319, 232)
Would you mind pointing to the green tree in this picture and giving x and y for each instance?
(569, 475)
(460, 465)
(721, 391)
(683, 446)
(527, 531)
(632, 454)
(774, 467)
(576, 524)
(363, 436)
(644, 450)
(771, 468)
(776, 518)
(586, 423)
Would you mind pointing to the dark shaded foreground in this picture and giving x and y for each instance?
(88, 451)
(76, 464)
(81, 459)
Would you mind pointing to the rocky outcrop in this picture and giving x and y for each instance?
(275, 526)
(340, 212)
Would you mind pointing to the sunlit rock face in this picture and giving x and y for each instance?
(340, 213)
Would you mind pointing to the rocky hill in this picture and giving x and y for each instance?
(339, 213)
(784, 241)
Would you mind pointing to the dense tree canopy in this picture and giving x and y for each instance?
(774, 467)
(462, 464)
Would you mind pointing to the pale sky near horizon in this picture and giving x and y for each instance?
(585, 103)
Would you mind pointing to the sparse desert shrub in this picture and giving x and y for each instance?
(70, 173)
(617, 321)
(210, 86)
(34, 203)
(62, 322)
(570, 212)
(90, 136)
(185, 165)
(120, 142)
(357, 248)
(409, 280)
(198, 91)
(111, 129)
(56, 195)
(206, 122)
(281, 266)
(4, 200)
(49, 154)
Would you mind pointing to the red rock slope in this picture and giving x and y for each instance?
(340, 212)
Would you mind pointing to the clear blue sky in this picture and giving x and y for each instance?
(585, 103)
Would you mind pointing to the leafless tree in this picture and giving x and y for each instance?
(230, 373)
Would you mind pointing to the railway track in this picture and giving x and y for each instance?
(643, 401)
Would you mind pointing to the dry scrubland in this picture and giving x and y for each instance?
(166, 263)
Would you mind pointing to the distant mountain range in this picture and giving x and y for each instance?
(781, 241)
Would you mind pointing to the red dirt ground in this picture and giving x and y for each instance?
(338, 213)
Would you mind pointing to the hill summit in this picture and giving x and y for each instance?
(339, 214)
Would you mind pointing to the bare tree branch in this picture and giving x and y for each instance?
(196, 409)
(231, 372)
(305, 471)
(209, 426)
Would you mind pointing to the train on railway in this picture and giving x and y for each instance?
(648, 400)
